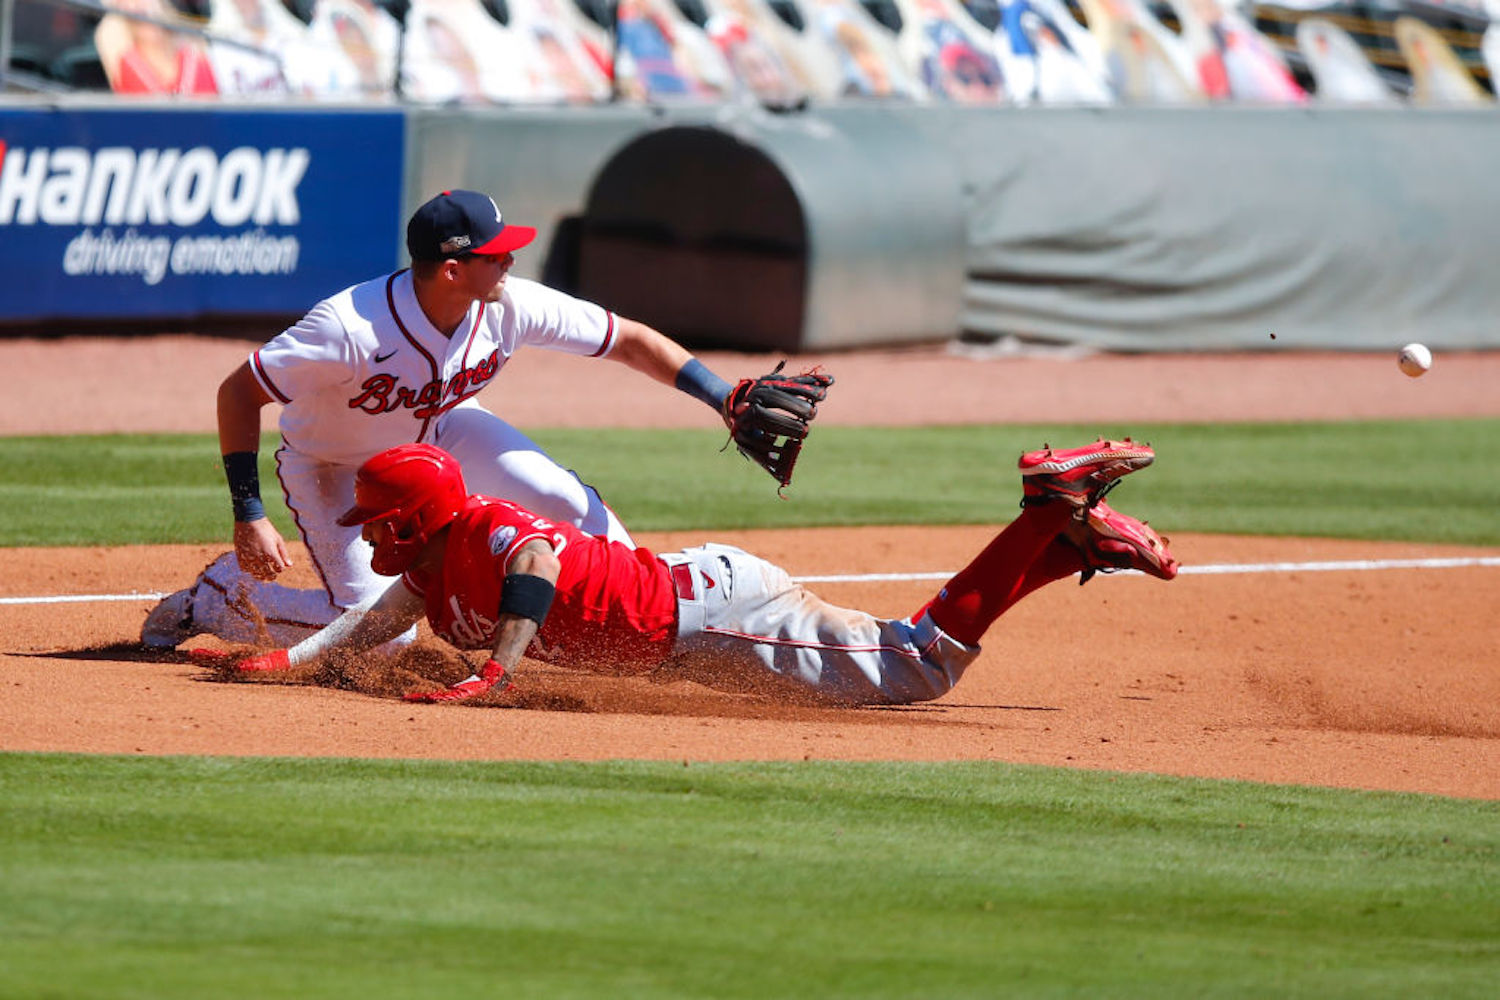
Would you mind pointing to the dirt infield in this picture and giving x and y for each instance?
(1382, 679)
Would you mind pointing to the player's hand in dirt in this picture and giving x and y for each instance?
(264, 663)
(491, 677)
(261, 550)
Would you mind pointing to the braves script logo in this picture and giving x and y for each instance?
(382, 393)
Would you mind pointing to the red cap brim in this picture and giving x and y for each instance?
(359, 515)
(510, 238)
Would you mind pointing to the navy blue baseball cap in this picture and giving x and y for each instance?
(456, 223)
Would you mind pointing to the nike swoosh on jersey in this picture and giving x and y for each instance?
(382, 358)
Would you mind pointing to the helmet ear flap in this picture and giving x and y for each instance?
(397, 546)
(420, 488)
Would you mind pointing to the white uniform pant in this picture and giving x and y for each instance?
(739, 614)
(497, 460)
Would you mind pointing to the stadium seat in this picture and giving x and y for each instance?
(777, 63)
(568, 54)
(1341, 73)
(1149, 64)
(1371, 25)
(1438, 76)
(662, 55)
(80, 68)
(1048, 57)
(869, 61)
(788, 12)
(367, 36)
(1232, 59)
(29, 58)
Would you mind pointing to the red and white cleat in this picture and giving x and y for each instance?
(1111, 541)
(1080, 476)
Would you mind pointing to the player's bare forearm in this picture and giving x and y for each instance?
(240, 401)
(356, 630)
(261, 550)
(362, 628)
(649, 351)
(513, 635)
(653, 353)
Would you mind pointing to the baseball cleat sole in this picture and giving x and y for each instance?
(1111, 541)
(1080, 476)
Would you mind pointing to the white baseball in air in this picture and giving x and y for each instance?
(1414, 359)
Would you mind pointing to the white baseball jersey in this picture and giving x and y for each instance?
(364, 370)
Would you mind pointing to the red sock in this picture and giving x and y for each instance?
(1058, 561)
(1002, 574)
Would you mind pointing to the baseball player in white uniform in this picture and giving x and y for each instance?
(399, 359)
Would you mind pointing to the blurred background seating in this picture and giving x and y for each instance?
(777, 52)
(1341, 72)
(150, 49)
(1046, 55)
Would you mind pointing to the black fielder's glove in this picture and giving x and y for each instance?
(769, 417)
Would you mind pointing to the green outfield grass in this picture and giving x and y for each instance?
(1416, 480)
(190, 878)
(187, 878)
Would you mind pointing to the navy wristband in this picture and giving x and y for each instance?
(697, 381)
(527, 596)
(242, 469)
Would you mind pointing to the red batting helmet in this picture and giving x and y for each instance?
(414, 490)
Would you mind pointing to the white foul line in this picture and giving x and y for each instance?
(1347, 566)
(1350, 565)
(1220, 569)
(81, 598)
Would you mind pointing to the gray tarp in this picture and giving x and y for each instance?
(1212, 228)
(1136, 229)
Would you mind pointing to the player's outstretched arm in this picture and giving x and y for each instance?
(357, 629)
(648, 351)
(768, 417)
(653, 353)
(261, 550)
(512, 635)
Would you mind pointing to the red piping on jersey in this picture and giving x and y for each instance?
(473, 331)
(390, 302)
(609, 335)
(515, 547)
(265, 380)
(297, 520)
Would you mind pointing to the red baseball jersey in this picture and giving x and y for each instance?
(615, 609)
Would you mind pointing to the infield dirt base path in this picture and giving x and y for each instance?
(1381, 680)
